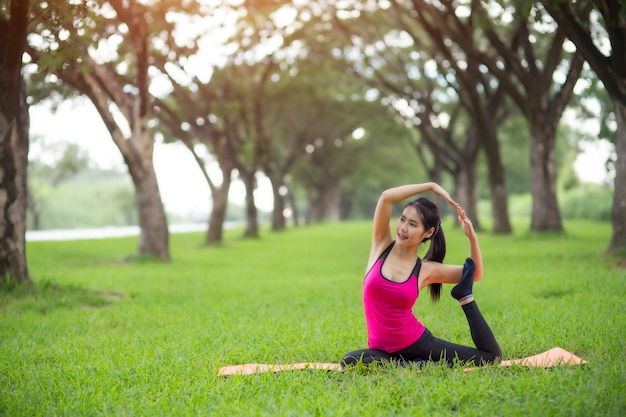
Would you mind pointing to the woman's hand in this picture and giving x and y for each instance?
(468, 229)
(438, 190)
(466, 224)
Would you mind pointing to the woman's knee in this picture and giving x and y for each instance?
(364, 357)
(352, 358)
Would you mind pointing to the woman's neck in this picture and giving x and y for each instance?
(405, 252)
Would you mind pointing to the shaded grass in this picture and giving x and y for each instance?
(102, 334)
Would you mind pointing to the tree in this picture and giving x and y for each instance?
(536, 72)
(312, 110)
(264, 55)
(295, 109)
(390, 159)
(344, 140)
(227, 111)
(14, 129)
(481, 96)
(373, 46)
(611, 69)
(188, 113)
(437, 88)
(118, 85)
(224, 115)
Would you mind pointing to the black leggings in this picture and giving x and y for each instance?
(430, 348)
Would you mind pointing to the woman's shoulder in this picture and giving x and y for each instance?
(433, 272)
(429, 266)
(428, 270)
(377, 250)
(379, 247)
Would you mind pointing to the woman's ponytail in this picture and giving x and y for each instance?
(437, 249)
(436, 252)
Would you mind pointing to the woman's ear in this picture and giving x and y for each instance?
(430, 233)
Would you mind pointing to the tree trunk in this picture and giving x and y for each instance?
(14, 128)
(154, 233)
(308, 210)
(319, 204)
(137, 151)
(497, 185)
(435, 174)
(278, 211)
(295, 213)
(13, 178)
(618, 240)
(545, 208)
(465, 177)
(344, 207)
(465, 182)
(219, 193)
(218, 212)
(252, 222)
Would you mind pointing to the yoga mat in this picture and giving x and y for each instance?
(553, 357)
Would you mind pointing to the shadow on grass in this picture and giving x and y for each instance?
(554, 292)
(45, 296)
(142, 258)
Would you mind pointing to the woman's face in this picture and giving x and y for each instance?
(410, 229)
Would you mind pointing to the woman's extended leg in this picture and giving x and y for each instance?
(481, 332)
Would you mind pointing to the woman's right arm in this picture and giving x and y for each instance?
(381, 234)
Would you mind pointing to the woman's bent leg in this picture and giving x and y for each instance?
(481, 332)
(364, 357)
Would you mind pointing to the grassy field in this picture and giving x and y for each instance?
(100, 334)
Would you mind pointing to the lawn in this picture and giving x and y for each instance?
(101, 333)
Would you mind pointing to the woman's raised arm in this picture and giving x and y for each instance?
(381, 234)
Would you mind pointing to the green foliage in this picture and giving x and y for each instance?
(589, 201)
(392, 161)
(52, 163)
(514, 145)
(92, 199)
(98, 335)
(566, 152)
(514, 139)
(65, 191)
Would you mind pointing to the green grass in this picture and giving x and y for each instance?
(104, 334)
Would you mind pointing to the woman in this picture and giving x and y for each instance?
(396, 276)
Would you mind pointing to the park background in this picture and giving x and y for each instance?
(185, 193)
(305, 120)
(321, 105)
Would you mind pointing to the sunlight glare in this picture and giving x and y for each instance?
(358, 133)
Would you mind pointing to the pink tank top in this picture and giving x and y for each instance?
(388, 305)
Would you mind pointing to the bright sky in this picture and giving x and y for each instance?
(590, 165)
(182, 186)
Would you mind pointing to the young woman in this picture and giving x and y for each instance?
(396, 275)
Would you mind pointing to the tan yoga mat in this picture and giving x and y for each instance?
(553, 357)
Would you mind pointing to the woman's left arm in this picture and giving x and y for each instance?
(475, 254)
(438, 273)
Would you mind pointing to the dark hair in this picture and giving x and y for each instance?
(429, 213)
